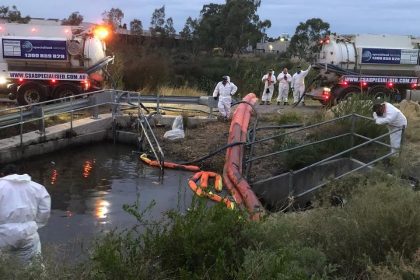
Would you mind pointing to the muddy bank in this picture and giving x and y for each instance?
(198, 142)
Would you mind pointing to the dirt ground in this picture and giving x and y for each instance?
(202, 140)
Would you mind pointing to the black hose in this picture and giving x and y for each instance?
(213, 153)
(225, 146)
(285, 126)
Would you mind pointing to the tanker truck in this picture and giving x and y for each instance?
(43, 62)
(378, 65)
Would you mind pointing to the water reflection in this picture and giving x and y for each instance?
(101, 208)
(90, 185)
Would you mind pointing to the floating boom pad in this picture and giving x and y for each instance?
(167, 164)
(199, 190)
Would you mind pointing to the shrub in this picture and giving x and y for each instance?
(381, 217)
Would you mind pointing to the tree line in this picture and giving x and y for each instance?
(230, 27)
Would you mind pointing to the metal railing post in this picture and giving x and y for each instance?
(352, 128)
(71, 113)
(291, 187)
(158, 103)
(21, 126)
(402, 140)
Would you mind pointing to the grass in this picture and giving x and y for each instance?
(373, 235)
(180, 91)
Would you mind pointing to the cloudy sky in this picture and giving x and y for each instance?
(345, 17)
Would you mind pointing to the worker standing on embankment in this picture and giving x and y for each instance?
(224, 91)
(269, 81)
(298, 84)
(284, 80)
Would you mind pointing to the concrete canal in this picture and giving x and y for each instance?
(89, 186)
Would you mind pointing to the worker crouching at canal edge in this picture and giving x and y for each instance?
(24, 208)
(386, 113)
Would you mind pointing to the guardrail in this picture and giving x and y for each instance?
(18, 116)
(352, 147)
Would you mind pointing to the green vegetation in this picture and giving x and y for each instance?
(305, 156)
(146, 69)
(374, 234)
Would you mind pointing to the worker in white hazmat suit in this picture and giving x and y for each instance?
(269, 81)
(224, 91)
(284, 79)
(386, 113)
(298, 84)
(24, 208)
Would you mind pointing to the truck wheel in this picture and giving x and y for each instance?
(349, 92)
(66, 91)
(380, 92)
(341, 94)
(30, 93)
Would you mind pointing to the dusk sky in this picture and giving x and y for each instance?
(345, 17)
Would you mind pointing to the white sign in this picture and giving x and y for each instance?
(48, 76)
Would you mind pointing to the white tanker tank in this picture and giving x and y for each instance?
(372, 54)
(40, 62)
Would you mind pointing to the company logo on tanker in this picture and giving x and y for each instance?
(27, 46)
(367, 55)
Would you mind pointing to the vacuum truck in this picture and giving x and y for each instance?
(379, 65)
(44, 62)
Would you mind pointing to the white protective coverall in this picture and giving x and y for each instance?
(284, 81)
(225, 93)
(24, 207)
(269, 82)
(298, 84)
(395, 120)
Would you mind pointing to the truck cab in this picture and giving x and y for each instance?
(44, 62)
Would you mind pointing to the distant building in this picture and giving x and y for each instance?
(277, 46)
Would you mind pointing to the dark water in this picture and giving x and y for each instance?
(89, 186)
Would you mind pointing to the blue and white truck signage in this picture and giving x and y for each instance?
(34, 49)
(390, 56)
(30, 75)
(380, 79)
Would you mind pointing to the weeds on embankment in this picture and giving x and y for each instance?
(373, 234)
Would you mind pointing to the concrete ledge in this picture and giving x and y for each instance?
(84, 131)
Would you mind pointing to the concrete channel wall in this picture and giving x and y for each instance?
(274, 192)
(85, 131)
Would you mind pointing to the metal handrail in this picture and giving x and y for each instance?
(345, 174)
(347, 151)
(20, 115)
(298, 147)
(145, 130)
(367, 138)
(300, 129)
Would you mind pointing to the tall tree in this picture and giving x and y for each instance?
(169, 27)
(210, 26)
(13, 14)
(74, 19)
(188, 31)
(113, 17)
(136, 27)
(231, 26)
(158, 20)
(4, 10)
(304, 43)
